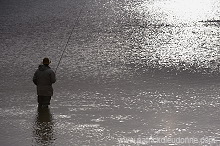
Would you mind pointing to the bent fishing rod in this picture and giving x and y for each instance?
(66, 44)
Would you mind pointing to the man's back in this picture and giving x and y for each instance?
(44, 77)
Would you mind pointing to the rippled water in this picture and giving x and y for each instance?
(132, 69)
(144, 36)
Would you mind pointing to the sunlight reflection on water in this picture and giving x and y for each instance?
(177, 11)
(177, 34)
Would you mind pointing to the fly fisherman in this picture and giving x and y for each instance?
(43, 78)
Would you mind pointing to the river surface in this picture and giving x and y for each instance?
(133, 73)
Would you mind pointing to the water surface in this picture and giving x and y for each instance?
(133, 69)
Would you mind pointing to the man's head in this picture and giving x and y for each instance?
(46, 61)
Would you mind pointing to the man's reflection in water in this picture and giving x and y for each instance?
(43, 127)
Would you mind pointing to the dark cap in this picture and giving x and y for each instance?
(46, 61)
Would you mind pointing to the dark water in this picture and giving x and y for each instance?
(133, 71)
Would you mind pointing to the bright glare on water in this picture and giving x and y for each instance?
(176, 33)
(184, 11)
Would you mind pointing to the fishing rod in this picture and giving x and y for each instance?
(76, 22)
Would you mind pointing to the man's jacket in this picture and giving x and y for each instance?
(44, 77)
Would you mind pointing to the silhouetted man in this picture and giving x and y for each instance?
(44, 77)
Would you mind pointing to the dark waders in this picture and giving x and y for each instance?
(43, 101)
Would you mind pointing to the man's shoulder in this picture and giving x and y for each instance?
(50, 70)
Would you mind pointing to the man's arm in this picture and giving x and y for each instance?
(52, 77)
(35, 78)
